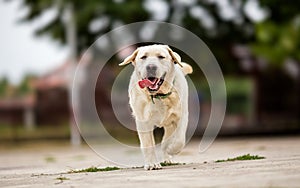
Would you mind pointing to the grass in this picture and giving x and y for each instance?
(61, 179)
(94, 169)
(50, 159)
(242, 158)
(79, 157)
(171, 164)
(19, 132)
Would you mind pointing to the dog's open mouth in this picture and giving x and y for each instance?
(152, 83)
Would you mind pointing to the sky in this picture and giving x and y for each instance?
(21, 51)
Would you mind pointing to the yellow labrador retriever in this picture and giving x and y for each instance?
(158, 96)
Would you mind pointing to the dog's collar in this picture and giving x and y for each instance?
(160, 96)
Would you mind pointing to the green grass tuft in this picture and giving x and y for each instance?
(62, 178)
(242, 158)
(170, 164)
(94, 169)
(50, 159)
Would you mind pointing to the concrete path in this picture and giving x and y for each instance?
(44, 164)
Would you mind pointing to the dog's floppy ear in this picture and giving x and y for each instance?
(129, 59)
(175, 56)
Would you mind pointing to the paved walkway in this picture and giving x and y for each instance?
(43, 164)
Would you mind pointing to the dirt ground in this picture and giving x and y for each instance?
(45, 165)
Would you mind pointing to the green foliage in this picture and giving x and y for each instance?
(220, 36)
(94, 169)
(275, 39)
(276, 42)
(85, 13)
(62, 178)
(278, 37)
(238, 95)
(11, 133)
(50, 159)
(24, 87)
(9, 90)
(242, 158)
(281, 11)
(170, 164)
(3, 86)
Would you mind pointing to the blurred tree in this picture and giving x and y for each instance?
(9, 90)
(92, 17)
(277, 40)
(3, 87)
(278, 37)
(219, 23)
(24, 87)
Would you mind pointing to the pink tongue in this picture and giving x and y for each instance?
(145, 83)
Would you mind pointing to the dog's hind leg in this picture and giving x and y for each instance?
(166, 141)
(174, 139)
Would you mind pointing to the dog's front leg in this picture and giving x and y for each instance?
(147, 144)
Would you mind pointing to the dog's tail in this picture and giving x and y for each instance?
(186, 68)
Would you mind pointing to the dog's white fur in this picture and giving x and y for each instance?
(171, 113)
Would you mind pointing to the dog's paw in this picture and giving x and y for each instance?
(167, 158)
(168, 161)
(154, 166)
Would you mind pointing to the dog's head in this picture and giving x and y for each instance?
(153, 65)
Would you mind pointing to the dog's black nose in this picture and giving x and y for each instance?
(151, 69)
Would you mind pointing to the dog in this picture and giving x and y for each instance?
(158, 96)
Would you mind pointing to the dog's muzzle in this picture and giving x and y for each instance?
(152, 83)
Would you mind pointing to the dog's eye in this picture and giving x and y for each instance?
(160, 57)
(144, 57)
